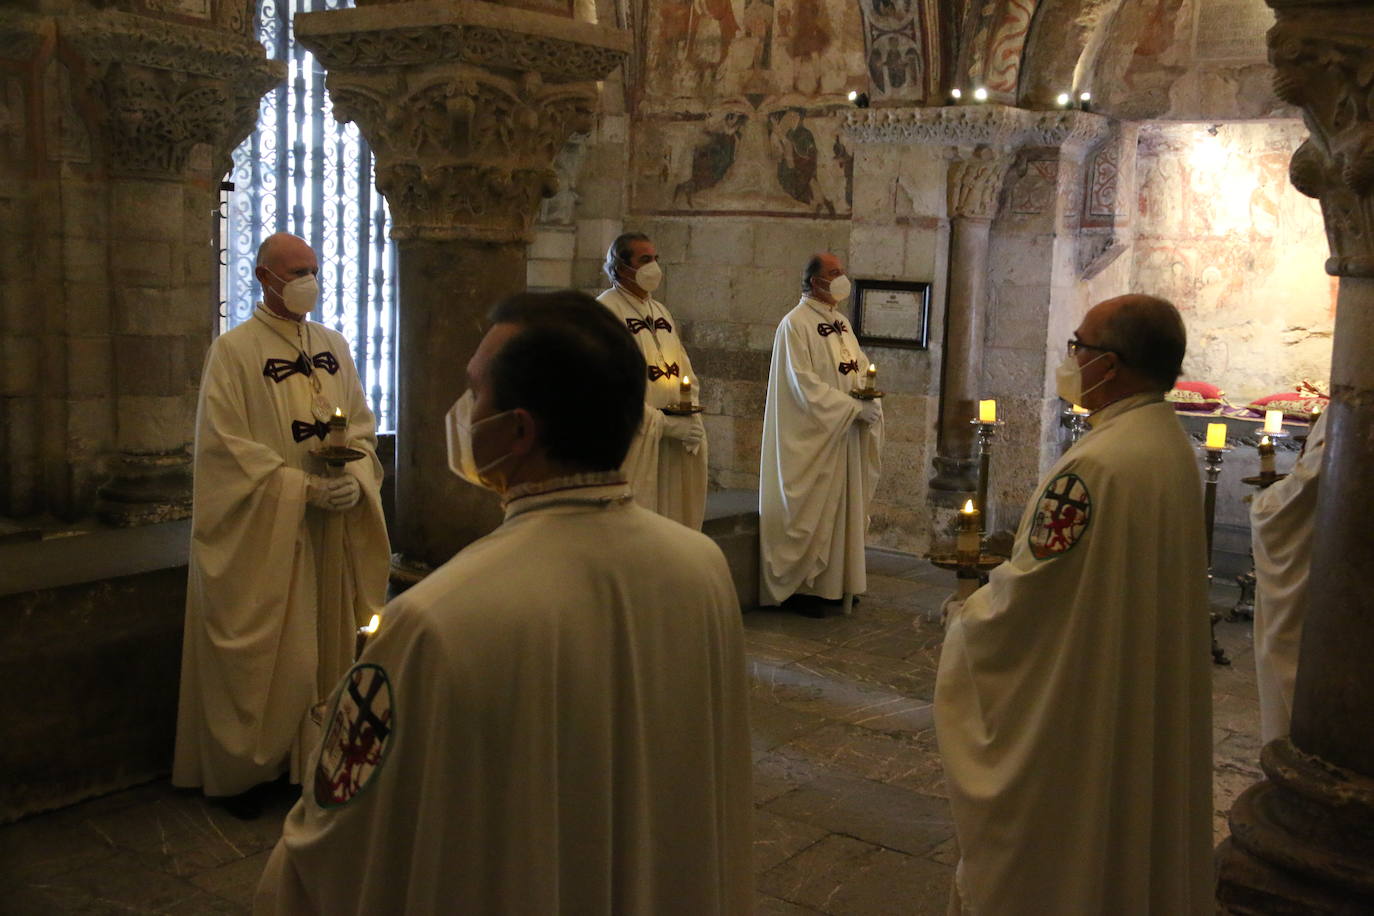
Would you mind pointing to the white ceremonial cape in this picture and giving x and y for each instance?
(1281, 519)
(666, 478)
(275, 589)
(818, 468)
(1073, 699)
(552, 722)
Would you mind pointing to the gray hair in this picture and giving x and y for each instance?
(809, 273)
(619, 252)
(1148, 335)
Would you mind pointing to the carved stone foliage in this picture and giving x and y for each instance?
(462, 153)
(1323, 66)
(158, 89)
(996, 126)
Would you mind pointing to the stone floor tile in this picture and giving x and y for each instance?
(765, 905)
(890, 563)
(772, 724)
(1239, 748)
(37, 849)
(875, 812)
(120, 884)
(778, 773)
(861, 704)
(236, 882)
(779, 648)
(913, 677)
(841, 875)
(891, 757)
(777, 839)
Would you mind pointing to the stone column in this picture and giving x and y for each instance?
(1303, 840)
(465, 107)
(980, 143)
(133, 120)
(975, 183)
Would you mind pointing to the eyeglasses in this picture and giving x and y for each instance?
(1073, 344)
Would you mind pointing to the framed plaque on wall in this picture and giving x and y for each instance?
(892, 313)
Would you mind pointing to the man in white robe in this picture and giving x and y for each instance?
(555, 720)
(822, 448)
(287, 558)
(1281, 518)
(1073, 698)
(666, 464)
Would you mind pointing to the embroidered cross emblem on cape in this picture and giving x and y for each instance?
(358, 734)
(1061, 517)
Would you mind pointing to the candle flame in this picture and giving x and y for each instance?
(1264, 440)
(372, 624)
(338, 411)
(968, 507)
(872, 367)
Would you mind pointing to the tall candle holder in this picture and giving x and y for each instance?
(1245, 603)
(987, 432)
(1212, 457)
(1076, 419)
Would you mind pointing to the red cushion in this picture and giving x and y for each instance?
(1295, 405)
(1202, 396)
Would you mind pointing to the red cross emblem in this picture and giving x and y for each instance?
(357, 736)
(1061, 517)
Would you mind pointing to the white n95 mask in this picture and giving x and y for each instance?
(300, 295)
(1068, 378)
(649, 277)
(839, 288)
(458, 428)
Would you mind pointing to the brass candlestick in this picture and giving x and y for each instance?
(1076, 419)
(987, 432)
(1212, 457)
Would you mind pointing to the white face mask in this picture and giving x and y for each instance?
(458, 429)
(1068, 378)
(839, 288)
(649, 276)
(299, 295)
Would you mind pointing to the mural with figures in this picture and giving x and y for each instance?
(740, 104)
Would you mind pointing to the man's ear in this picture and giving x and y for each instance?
(527, 433)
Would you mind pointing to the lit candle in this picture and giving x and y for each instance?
(1216, 435)
(363, 633)
(872, 375)
(967, 544)
(338, 429)
(1273, 421)
(1079, 410)
(987, 411)
(1266, 453)
(684, 391)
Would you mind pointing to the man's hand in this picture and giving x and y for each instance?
(688, 430)
(871, 412)
(332, 494)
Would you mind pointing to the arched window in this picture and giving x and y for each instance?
(300, 171)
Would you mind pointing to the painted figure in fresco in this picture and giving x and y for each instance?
(794, 145)
(845, 160)
(712, 157)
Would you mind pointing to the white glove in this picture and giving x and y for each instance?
(688, 430)
(871, 412)
(333, 494)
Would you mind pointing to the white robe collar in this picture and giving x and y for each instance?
(1117, 408)
(591, 488)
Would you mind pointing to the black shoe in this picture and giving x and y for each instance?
(808, 606)
(246, 806)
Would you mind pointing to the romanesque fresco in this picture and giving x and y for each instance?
(1222, 233)
(740, 104)
(900, 50)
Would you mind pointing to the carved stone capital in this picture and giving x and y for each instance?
(464, 107)
(1322, 56)
(462, 153)
(158, 89)
(995, 126)
(975, 183)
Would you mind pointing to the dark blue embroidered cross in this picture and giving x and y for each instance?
(278, 370)
(649, 324)
(827, 329)
(301, 430)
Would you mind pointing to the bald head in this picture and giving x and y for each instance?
(1145, 332)
(283, 257)
(280, 247)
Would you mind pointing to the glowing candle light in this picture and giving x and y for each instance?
(1273, 421)
(987, 411)
(684, 391)
(1079, 410)
(360, 641)
(1062, 100)
(872, 374)
(980, 94)
(967, 545)
(1216, 435)
(338, 429)
(956, 94)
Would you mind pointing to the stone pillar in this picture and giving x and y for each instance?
(979, 143)
(131, 120)
(1303, 840)
(975, 183)
(465, 107)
